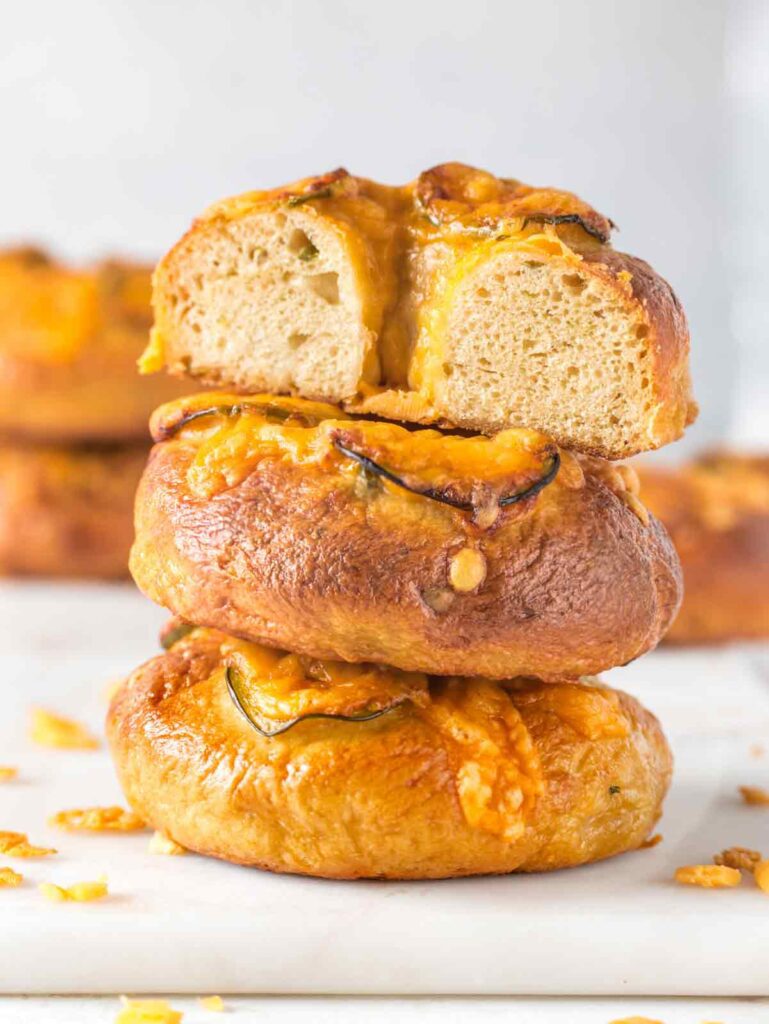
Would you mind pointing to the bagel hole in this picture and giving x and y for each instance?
(574, 283)
(326, 286)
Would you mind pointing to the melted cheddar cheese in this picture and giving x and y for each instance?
(53, 315)
(233, 435)
(408, 248)
(282, 687)
(496, 769)
(47, 314)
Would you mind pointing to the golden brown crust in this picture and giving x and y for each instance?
(570, 582)
(69, 341)
(717, 512)
(667, 333)
(387, 798)
(67, 512)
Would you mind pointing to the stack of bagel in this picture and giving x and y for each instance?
(73, 413)
(396, 543)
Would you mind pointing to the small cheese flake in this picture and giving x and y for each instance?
(8, 773)
(739, 857)
(757, 750)
(9, 878)
(97, 819)
(636, 1020)
(755, 796)
(654, 840)
(761, 875)
(213, 1003)
(147, 1011)
(467, 570)
(51, 730)
(16, 844)
(709, 876)
(163, 844)
(80, 892)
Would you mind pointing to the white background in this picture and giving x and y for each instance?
(120, 121)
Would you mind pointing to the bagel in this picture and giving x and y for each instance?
(446, 777)
(66, 511)
(69, 341)
(461, 298)
(717, 511)
(293, 524)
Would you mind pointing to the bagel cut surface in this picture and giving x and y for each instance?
(461, 298)
(265, 758)
(292, 524)
(716, 509)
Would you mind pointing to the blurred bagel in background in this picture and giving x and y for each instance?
(716, 510)
(67, 511)
(73, 413)
(69, 342)
(293, 524)
(255, 756)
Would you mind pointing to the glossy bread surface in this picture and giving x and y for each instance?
(269, 530)
(462, 777)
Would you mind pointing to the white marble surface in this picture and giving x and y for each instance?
(194, 926)
(382, 1010)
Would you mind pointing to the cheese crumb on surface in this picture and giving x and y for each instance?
(51, 730)
(164, 844)
(709, 876)
(755, 796)
(636, 1020)
(738, 857)
(8, 773)
(761, 875)
(147, 1011)
(16, 844)
(213, 1003)
(9, 878)
(97, 819)
(467, 570)
(80, 892)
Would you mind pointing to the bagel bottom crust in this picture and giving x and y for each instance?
(471, 777)
(67, 511)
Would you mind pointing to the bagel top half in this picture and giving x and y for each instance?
(293, 524)
(462, 298)
(266, 758)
